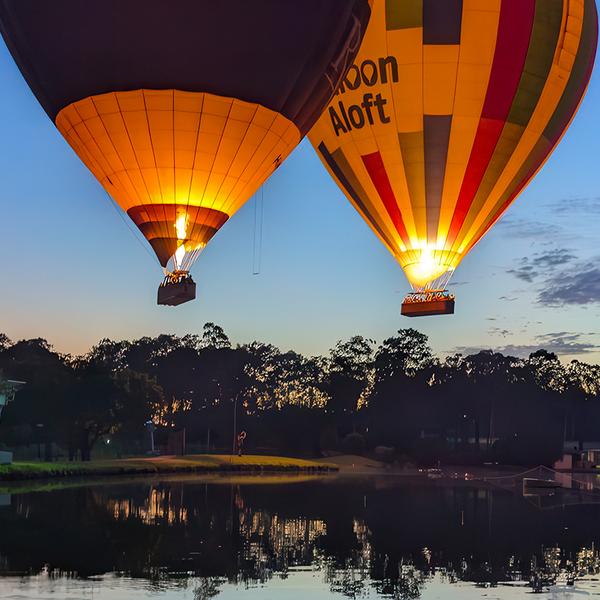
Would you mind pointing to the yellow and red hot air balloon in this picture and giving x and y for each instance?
(449, 110)
(182, 109)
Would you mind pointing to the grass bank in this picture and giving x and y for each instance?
(198, 463)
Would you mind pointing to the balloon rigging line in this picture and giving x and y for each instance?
(113, 202)
(128, 224)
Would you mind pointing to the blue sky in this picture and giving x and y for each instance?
(74, 272)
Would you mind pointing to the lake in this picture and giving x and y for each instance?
(298, 537)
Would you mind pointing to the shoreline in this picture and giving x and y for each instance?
(197, 463)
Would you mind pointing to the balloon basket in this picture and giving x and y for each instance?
(428, 303)
(176, 289)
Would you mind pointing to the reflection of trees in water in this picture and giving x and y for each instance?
(208, 587)
(352, 576)
(349, 580)
(272, 544)
(363, 536)
(406, 586)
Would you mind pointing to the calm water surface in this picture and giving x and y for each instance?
(296, 538)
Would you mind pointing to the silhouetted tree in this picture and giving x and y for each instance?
(349, 373)
(213, 336)
(484, 406)
(406, 354)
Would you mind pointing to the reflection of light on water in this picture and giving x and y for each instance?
(251, 542)
(158, 507)
(275, 544)
(270, 537)
(362, 533)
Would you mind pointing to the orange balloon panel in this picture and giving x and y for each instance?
(449, 110)
(179, 163)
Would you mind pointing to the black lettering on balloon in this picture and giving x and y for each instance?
(356, 116)
(336, 122)
(371, 79)
(367, 104)
(352, 85)
(379, 103)
(383, 64)
(369, 72)
(344, 115)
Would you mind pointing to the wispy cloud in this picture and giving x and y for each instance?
(576, 206)
(526, 228)
(530, 268)
(578, 286)
(499, 331)
(525, 272)
(562, 343)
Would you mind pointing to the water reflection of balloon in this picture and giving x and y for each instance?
(450, 109)
(181, 110)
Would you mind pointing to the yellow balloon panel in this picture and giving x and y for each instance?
(447, 113)
(179, 163)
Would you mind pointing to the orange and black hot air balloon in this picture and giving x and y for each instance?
(449, 110)
(183, 108)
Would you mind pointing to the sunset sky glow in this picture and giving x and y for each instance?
(75, 271)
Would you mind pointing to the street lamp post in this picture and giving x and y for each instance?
(151, 428)
(234, 442)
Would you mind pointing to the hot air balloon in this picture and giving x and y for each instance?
(183, 109)
(449, 110)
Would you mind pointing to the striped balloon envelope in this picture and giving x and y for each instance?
(182, 109)
(449, 110)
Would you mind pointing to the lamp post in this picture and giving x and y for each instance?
(40, 434)
(151, 428)
(233, 445)
(235, 406)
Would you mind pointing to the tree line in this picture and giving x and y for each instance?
(395, 400)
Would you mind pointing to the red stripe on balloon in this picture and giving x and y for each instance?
(589, 39)
(376, 169)
(514, 33)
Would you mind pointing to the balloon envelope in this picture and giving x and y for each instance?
(449, 110)
(182, 109)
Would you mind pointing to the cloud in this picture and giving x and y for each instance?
(578, 286)
(561, 343)
(552, 258)
(525, 272)
(507, 299)
(499, 331)
(565, 342)
(526, 228)
(572, 206)
(541, 263)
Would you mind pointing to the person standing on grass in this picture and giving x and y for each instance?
(240, 442)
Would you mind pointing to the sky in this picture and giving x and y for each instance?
(312, 272)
